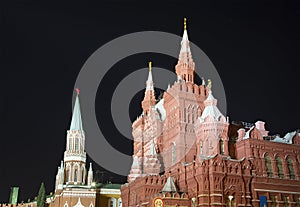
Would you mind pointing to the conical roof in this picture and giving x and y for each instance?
(76, 123)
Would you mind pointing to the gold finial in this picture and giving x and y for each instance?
(150, 65)
(209, 84)
(184, 23)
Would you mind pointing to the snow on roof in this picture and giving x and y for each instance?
(211, 109)
(159, 107)
(247, 135)
(287, 139)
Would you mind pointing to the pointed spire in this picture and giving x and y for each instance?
(185, 43)
(149, 98)
(185, 67)
(76, 123)
(90, 168)
(184, 23)
(149, 82)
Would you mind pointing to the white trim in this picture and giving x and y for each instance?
(104, 191)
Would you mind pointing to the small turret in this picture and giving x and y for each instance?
(90, 176)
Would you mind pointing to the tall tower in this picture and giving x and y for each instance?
(183, 103)
(75, 155)
(185, 67)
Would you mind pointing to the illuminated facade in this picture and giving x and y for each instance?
(187, 153)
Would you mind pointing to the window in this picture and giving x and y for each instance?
(112, 202)
(75, 175)
(76, 144)
(291, 168)
(268, 166)
(68, 174)
(285, 200)
(221, 147)
(119, 202)
(273, 201)
(297, 200)
(279, 167)
(173, 153)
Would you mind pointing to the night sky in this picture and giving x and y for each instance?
(254, 45)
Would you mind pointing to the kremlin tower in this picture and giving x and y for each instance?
(73, 168)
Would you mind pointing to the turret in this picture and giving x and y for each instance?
(90, 176)
(212, 128)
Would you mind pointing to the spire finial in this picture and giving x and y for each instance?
(209, 84)
(77, 91)
(184, 23)
(150, 65)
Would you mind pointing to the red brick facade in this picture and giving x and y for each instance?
(204, 160)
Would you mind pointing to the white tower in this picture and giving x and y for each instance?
(75, 155)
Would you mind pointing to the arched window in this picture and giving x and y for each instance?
(268, 166)
(291, 168)
(279, 167)
(70, 144)
(66, 204)
(76, 144)
(273, 200)
(75, 175)
(173, 153)
(112, 202)
(221, 147)
(285, 200)
(119, 202)
(68, 174)
(82, 174)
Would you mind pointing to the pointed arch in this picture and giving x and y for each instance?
(221, 146)
(76, 172)
(268, 164)
(280, 172)
(290, 165)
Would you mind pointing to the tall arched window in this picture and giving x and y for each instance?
(173, 153)
(76, 144)
(82, 174)
(75, 175)
(291, 168)
(279, 167)
(221, 146)
(268, 166)
(68, 174)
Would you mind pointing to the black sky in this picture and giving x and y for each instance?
(254, 45)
